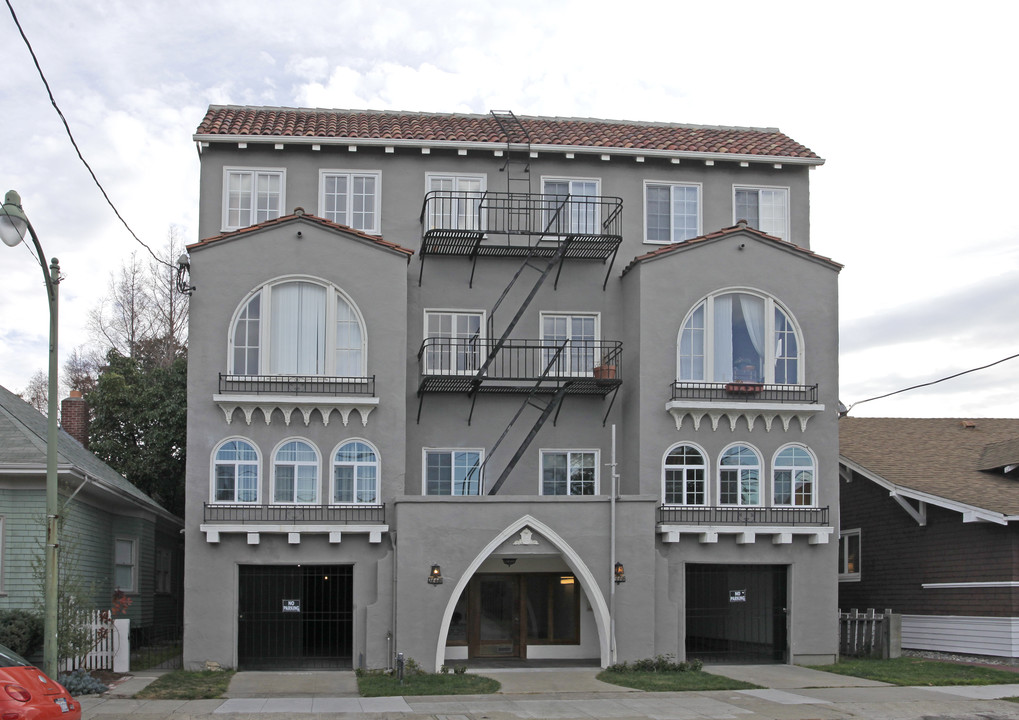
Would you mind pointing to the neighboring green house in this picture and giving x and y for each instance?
(115, 535)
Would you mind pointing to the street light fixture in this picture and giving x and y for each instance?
(13, 226)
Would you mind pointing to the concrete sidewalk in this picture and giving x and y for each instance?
(789, 693)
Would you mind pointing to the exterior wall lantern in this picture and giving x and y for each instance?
(620, 576)
(435, 576)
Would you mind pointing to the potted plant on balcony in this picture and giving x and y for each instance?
(739, 387)
(605, 371)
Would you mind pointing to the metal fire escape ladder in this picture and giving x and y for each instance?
(518, 143)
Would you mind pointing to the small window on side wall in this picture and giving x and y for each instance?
(849, 555)
(125, 562)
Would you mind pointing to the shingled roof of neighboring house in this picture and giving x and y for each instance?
(740, 227)
(301, 217)
(951, 458)
(23, 431)
(223, 122)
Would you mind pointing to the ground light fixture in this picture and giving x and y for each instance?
(620, 575)
(14, 225)
(435, 576)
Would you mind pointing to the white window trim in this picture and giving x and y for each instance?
(134, 563)
(225, 209)
(566, 451)
(318, 475)
(456, 178)
(788, 193)
(482, 332)
(707, 473)
(770, 303)
(378, 473)
(775, 466)
(761, 476)
(350, 173)
(570, 314)
(265, 324)
(212, 472)
(847, 576)
(426, 451)
(700, 209)
(570, 179)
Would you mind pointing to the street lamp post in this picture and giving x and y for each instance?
(13, 225)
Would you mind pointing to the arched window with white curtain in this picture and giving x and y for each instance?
(793, 473)
(739, 336)
(298, 327)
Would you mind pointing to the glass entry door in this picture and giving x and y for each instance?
(496, 617)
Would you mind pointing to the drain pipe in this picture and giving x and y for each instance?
(391, 635)
(612, 553)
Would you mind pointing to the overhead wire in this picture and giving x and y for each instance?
(933, 382)
(67, 127)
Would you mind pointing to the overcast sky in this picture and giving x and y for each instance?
(912, 105)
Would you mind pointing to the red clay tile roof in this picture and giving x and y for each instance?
(295, 218)
(424, 128)
(738, 228)
(938, 456)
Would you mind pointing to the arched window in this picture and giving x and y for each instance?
(739, 476)
(739, 337)
(685, 477)
(355, 473)
(295, 473)
(793, 473)
(235, 473)
(298, 327)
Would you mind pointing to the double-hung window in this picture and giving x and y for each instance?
(685, 476)
(125, 564)
(295, 473)
(252, 196)
(356, 473)
(672, 212)
(453, 472)
(570, 342)
(164, 564)
(739, 477)
(454, 342)
(764, 208)
(569, 472)
(571, 206)
(793, 474)
(350, 198)
(849, 555)
(298, 327)
(739, 337)
(455, 201)
(235, 471)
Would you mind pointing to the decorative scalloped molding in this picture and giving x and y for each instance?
(288, 404)
(750, 412)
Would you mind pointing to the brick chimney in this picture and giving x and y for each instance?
(74, 417)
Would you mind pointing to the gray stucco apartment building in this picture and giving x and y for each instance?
(488, 386)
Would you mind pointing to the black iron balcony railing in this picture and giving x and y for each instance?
(454, 220)
(452, 364)
(735, 515)
(744, 392)
(297, 514)
(296, 385)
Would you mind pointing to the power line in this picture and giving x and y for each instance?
(67, 127)
(934, 382)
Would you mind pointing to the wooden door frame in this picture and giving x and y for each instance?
(474, 616)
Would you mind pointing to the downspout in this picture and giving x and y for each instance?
(612, 553)
(392, 632)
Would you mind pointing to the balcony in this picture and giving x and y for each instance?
(746, 523)
(287, 393)
(294, 521)
(580, 367)
(505, 224)
(749, 400)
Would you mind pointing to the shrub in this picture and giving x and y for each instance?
(79, 682)
(657, 664)
(459, 669)
(20, 630)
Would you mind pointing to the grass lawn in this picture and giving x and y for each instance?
(672, 681)
(916, 671)
(188, 685)
(381, 685)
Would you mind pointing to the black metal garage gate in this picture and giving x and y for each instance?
(295, 616)
(736, 613)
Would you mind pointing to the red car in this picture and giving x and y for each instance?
(26, 693)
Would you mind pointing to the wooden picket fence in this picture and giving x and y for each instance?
(112, 649)
(870, 634)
